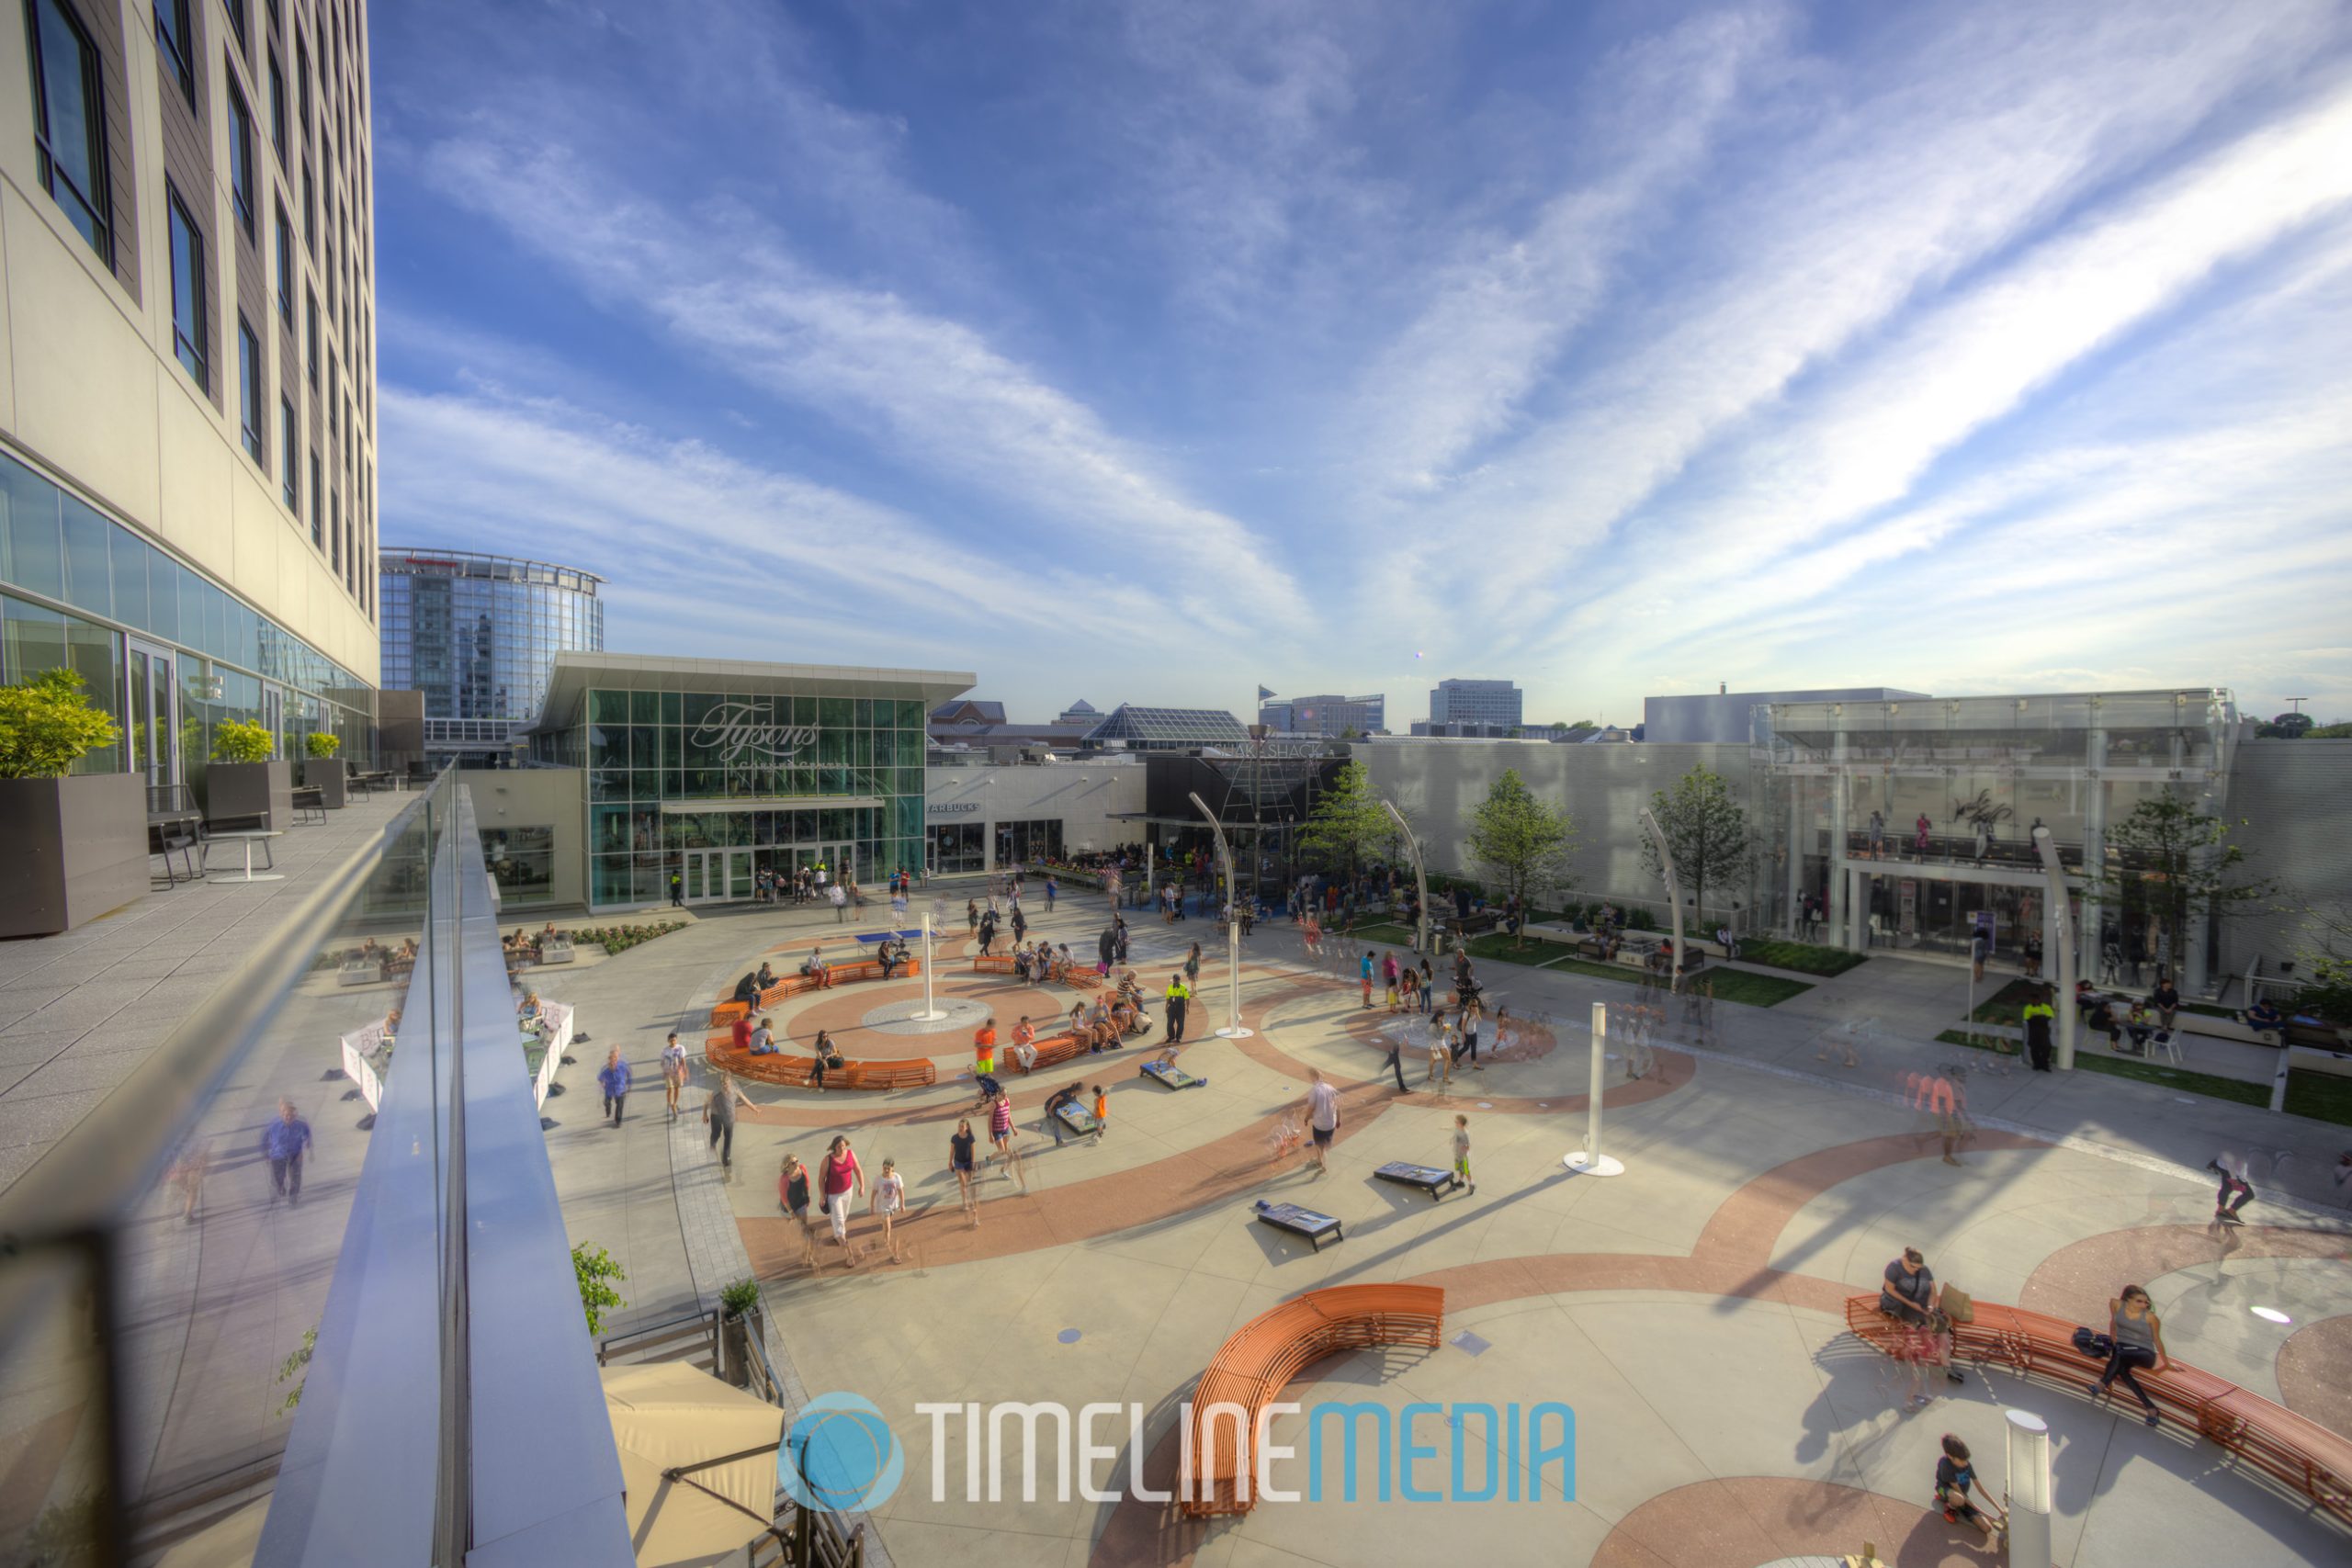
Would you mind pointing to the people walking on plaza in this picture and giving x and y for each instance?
(1473, 1014)
(1440, 1053)
(1388, 979)
(984, 1049)
(1020, 925)
(890, 1201)
(840, 1176)
(674, 1072)
(1052, 889)
(988, 932)
(1322, 1115)
(720, 1112)
(1955, 1479)
(1429, 985)
(972, 916)
(613, 1081)
(286, 1143)
(792, 1197)
(1363, 975)
(2137, 1336)
(677, 890)
(961, 1146)
(840, 898)
(1179, 999)
(1462, 1154)
(2039, 1017)
(1002, 1134)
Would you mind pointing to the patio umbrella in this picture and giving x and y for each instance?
(670, 1419)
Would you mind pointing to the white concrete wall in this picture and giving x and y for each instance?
(1083, 795)
(1438, 783)
(540, 798)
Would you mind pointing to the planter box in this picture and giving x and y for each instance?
(330, 776)
(263, 792)
(76, 848)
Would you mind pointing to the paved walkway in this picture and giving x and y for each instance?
(1765, 1184)
(80, 1009)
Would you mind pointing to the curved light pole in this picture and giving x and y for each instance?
(932, 1011)
(1232, 1029)
(1673, 896)
(1421, 877)
(2062, 916)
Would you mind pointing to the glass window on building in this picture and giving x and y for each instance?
(522, 862)
(177, 43)
(189, 340)
(1025, 843)
(69, 122)
(241, 157)
(249, 393)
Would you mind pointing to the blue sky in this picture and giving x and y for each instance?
(1148, 352)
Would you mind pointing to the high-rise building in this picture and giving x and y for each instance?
(1475, 702)
(1326, 715)
(188, 437)
(478, 635)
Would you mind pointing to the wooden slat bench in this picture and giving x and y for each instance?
(857, 969)
(2299, 1454)
(795, 1071)
(1261, 1358)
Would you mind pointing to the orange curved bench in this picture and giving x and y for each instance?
(727, 1013)
(1265, 1353)
(795, 1072)
(2301, 1455)
(1076, 976)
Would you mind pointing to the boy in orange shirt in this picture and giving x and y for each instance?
(984, 1050)
(1102, 1112)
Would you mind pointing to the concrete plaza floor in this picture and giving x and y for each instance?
(1688, 1311)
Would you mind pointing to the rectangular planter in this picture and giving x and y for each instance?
(260, 791)
(75, 849)
(330, 776)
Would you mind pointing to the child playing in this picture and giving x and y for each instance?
(1461, 1153)
(1441, 1055)
(889, 1199)
(1954, 1475)
(1102, 1112)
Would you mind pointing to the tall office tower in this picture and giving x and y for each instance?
(188, 421)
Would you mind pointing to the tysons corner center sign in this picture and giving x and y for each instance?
(734, 732)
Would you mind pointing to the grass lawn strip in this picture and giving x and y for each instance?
(2320, 1096)
(1803, 957)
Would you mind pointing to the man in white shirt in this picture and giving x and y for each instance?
(1322, 1114)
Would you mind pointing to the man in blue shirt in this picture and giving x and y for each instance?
(283, 1143)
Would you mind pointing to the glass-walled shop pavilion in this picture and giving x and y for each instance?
(714, 770)
(1907, 824)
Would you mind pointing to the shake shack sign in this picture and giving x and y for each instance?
(737, 734)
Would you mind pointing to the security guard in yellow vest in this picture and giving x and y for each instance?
(2039, 1018)
(1179, 995)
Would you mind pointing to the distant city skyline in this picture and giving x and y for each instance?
(1152, 349)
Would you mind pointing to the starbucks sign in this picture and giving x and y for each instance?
(736, 733)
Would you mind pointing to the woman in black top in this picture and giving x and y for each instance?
(960, 1145)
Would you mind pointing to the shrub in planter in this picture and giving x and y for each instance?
(77, 843)
(235, 740)
(320, 744)
(323, 771)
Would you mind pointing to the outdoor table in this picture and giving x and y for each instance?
(248, 837)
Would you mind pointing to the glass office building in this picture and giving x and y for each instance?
(1907, 824)
(478, 635)
(714, 770)
(165, 649)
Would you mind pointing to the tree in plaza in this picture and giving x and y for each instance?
(1705, 830)
(1348, 826)
(2176, 860)
(1521, 841)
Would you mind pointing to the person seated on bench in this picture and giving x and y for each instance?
(891, 955)
(764, 1039)
(746, 990)
(1024, 1044)
(1131, 993)
(2263, 1017)
(817, 969)
(2137, 1026)
(766, 976)
(1101, 1027)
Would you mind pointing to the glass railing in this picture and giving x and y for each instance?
(242, 1317)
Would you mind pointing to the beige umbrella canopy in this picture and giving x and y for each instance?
(668, 1416)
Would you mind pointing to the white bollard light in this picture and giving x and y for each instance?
(2029, 1487)
(1588, 1160)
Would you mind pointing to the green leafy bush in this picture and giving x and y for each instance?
(237, 741)
(739, 1297)
(320, 744)
(596, 1273)
(47, 725)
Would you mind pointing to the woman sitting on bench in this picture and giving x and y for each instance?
(1102, 1026)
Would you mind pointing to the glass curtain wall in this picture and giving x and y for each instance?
(784, 767)
(80, 581)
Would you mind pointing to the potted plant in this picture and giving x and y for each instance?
(77, 842)
(245, 782)
(323, 771)
(740, 1319)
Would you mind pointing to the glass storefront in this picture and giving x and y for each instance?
(1025, 844)
(1934, 802)
(958, 847)
(714, 788)
(166, 651)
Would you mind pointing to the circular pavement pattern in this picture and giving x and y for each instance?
(898, 1018)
